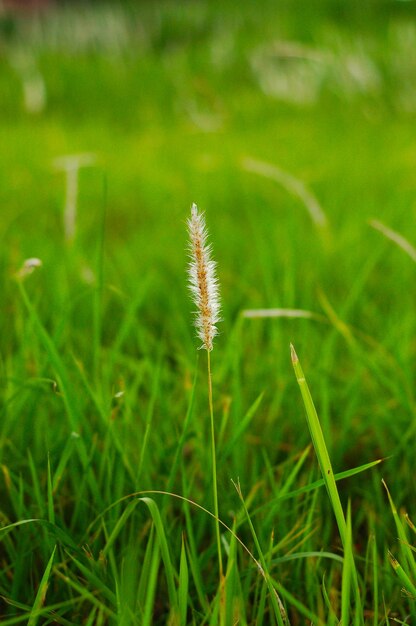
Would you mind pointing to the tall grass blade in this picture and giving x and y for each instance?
(346, 573)
(151, 581)
(326, 468)
(278, 608)
(293, 185)
(408, 585)
(41, 593)
(51, 509)
(407, 555)
(183, 586)
(64, 384)
(396, 238)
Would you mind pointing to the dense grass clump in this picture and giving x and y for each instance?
(293, 131)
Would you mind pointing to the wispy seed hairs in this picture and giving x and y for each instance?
(203, 284)
(203, 281)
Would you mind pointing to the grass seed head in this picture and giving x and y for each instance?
(203, 282)
(28, 267)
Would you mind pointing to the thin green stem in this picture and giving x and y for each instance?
(279, 610)
(214, 466)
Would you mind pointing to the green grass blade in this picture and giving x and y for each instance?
(408, 585)
(182, 439)
(375, 580)
(97, 313)
(64, 383)
(121, 522)
(283, 490)
(51, 509)
(292, 600)
(313, 554)
(149, 418)
(346, 573)
(278, 608)
(41, 593)
(406, 550)
(164, 549)
(94, 580)
(320, 446)
(53, 354)
(332, 618)
(39, 496)
(324, 460)
(144, 571)
(183, 586)
(87, 595)
(241, 427)
(151, 586)
(63, 460)
(316, 484)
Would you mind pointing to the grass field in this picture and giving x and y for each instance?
(291, 125)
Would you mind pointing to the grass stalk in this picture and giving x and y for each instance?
(214, 468)
(278, 608)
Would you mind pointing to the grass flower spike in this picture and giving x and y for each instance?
(203, 282)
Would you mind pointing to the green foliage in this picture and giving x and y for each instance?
(265, 115)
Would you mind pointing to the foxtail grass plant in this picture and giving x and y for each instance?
(203, 285)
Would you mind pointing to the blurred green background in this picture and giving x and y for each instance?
(182, 102)
(172, 99)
